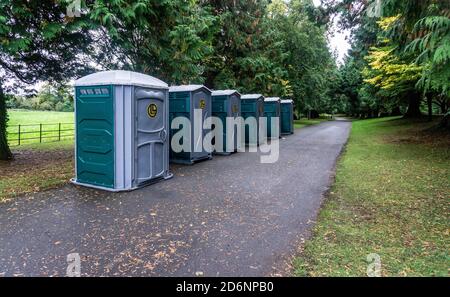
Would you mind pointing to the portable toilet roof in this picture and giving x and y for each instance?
(225, 93)
(287, 101)
(121, 77)
(251, 96)
(272, 99)
(187, 88)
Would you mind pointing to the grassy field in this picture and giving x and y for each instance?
(30, 128)
(21, 116)
(391, 197)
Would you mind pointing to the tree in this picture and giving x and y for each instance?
(312, 67)
(402, 49)
(422, 29)
(38, 43)
(5, 152)
(389, 72)
(169, 39)
(246, 54)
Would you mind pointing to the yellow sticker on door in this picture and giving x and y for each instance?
(202, 104)
(235, 108)
(152, 110)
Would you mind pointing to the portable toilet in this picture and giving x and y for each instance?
(121, 120)
(226, 103)
(183, 100)
(287, 117)
(252, 105)
(272, 110)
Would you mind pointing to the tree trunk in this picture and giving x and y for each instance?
(413, 106)
(444, 122)
(396, 111)
(5, 152)
(445, 106)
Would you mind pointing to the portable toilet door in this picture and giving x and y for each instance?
(226, 103)
(183, 101)
(122, 120)
(287, 117)
(272, 110)
(252, 105)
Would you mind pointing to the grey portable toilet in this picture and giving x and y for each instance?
(252, 105)
(226, 103)
(183, 100)
(122, 120)
(287, 117)
(272, 109)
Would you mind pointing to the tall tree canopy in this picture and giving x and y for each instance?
(38, 42)
(402, 51)
(169, 39)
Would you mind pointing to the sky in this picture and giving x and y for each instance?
(338, 41)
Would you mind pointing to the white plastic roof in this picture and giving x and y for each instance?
(187, 88)
(121, 77)
(290, 101)
(271, 99)
(252, 96)
(225, 93)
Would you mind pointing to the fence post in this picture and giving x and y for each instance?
(59, 131)
(40, 133)
(19, 136)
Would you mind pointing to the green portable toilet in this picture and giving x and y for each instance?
(183, 101)
(287, 117)
(122, 121)
(226, 103)
(252, 105)
(272, 110)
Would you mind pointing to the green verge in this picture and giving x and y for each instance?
(30, 129)
(390, 198)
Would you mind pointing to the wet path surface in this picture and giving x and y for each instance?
(231, 216)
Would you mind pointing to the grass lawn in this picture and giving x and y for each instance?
(390, 198)
(30, 120)
(36, 167)
(23, 117)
